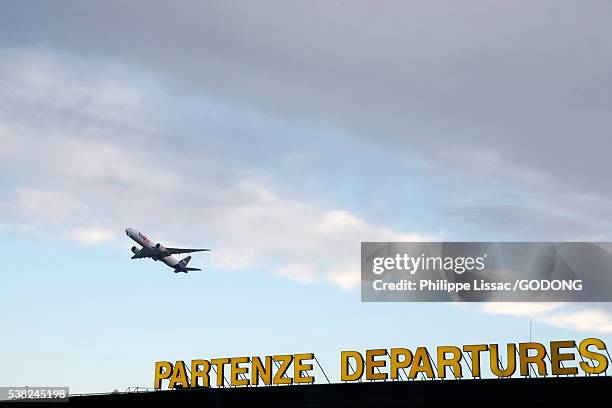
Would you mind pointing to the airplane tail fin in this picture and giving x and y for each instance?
(182, 266)
(183, 262)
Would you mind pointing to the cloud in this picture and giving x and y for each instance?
(311, 244)
(594, 320)
(580, 317)
(484, 90)
(92, 235)
(300, 272)
(44, 207)
(520, 309)
(213, 128)
(85, 183)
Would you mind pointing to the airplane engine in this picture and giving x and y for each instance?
(135, 250)
(160, 248)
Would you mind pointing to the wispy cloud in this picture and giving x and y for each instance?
(44, 206)
(591, 320)
(520, 309)
(93, 235)
(580, 317)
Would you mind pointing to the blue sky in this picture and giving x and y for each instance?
(282, 148)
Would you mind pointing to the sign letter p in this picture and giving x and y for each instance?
(163, 371)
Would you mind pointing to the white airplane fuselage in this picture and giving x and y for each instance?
(145, 242)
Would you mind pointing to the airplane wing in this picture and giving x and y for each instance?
(176, 251)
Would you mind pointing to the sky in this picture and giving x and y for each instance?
(281, 135)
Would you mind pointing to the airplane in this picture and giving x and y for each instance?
(158, 252)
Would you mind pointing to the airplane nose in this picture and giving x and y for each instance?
(127, 232)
